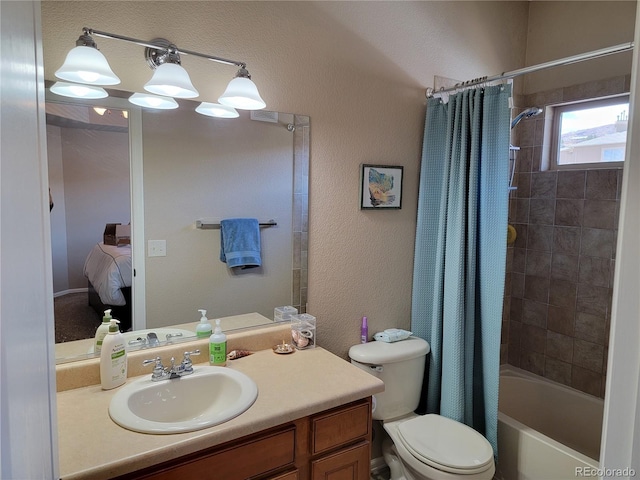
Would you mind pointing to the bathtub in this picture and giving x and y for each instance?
(546, 431)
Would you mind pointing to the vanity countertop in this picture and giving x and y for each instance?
(290, 386)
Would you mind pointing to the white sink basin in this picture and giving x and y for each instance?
(207, 397)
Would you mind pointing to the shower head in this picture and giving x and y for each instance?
(529, 112)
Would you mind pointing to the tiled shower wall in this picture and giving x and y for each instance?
(560, 268)
(300, 211)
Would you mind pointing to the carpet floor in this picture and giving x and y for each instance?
(74, 318)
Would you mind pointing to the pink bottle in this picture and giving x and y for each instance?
(364, 331)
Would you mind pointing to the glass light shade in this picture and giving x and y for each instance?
(242, 93)
(87, 65)
(217, 110)
(171, 80)
(147, 100)
(75, 90)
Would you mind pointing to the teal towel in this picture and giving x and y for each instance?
(240, 242)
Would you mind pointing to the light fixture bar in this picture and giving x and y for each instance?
(143, 43)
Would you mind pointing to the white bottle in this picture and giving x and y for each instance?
(218, 347)
(102, 331)
(204, 327)
(113, 358)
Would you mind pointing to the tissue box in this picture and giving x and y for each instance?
(123, 234)
(283, 314)
(109, 236)
(117, 234)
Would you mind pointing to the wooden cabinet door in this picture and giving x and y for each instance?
(348, 464)
(287, 476)
(340, 426)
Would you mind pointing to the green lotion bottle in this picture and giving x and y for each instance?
(218, 347)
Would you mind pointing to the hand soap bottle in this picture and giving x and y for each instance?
(204, 327)
(102, 331)
(113, 358)
(218, 347)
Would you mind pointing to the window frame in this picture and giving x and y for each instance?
(558, 109)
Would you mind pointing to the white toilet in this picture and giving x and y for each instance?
(427, 447)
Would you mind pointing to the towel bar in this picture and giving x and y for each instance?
(207, 224)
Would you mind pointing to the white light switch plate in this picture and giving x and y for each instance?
(157, 248)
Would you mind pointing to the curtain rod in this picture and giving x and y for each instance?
(623, 47)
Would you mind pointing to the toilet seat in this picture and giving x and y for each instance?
(445, 444)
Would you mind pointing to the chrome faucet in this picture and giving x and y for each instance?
(169, 336)
(150, 341)
(160, 372)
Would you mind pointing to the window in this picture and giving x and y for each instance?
(590, 134)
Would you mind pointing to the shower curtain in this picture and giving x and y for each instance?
(460, 254)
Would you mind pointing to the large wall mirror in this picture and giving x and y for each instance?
(166, 172)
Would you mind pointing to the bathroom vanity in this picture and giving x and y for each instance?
(336, 441)
(312, 416)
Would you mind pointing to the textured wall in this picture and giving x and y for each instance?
(561, 29)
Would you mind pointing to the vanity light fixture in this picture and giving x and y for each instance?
(216, 110)
(242, 93)
(86, 64)
(76, 90)
(148, 100)
(170, 79)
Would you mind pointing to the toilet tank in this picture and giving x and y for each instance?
(400, 365)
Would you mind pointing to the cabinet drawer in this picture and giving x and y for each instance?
(339, 427)
(349, 464)
(287, 476)
(245, 460)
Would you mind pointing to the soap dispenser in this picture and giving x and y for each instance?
(218, 347)
(204, 327)
(113, 358)
(102, 331)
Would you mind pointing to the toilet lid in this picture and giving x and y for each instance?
(445, 444)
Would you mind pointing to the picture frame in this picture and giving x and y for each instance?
(380, 186)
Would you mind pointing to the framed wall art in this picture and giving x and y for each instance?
(380, 186)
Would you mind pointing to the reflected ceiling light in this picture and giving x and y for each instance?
(86, 64)
(242, 93)
(217, 110)
(76, 90)
(169, 79)
(147, 100)
(102, 110)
